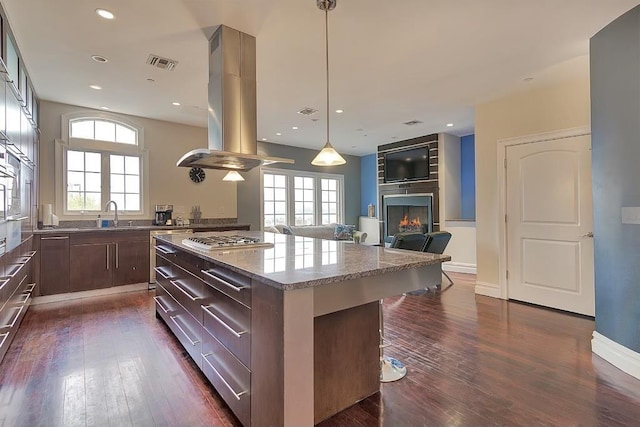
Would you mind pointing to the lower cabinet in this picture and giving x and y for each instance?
(92, 260)
(208, 311)
(16, 289)
(54, 264)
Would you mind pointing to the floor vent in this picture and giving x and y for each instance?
(412, 122)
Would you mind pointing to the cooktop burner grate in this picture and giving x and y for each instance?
(208, 243)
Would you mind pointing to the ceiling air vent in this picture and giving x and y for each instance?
(307, 111)
(412, 122)
(162, 63)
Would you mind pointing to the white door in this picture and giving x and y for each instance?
(550, 224)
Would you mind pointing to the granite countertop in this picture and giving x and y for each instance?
(296, 262)
(136, 228)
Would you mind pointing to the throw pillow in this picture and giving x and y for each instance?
(286, 230)
(344, 232)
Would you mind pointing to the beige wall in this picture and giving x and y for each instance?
(166, 143)
(553, 106)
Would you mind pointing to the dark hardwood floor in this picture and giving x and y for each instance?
(472, 361)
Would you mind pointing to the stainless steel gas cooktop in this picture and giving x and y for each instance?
(211, 243)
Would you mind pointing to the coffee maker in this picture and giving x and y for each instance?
(163, 215)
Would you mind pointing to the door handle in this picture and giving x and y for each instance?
(589, 234)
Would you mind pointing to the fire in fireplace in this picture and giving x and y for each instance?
(407, 224)
(407, 212)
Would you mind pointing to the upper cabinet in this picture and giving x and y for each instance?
(18, 101)
(11, 60)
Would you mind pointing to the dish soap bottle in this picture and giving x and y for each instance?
(99, 221)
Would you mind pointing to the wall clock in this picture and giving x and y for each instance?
(197, 174)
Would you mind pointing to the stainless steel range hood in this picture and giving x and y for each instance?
(232, 106)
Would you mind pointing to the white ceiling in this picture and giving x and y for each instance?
(391, 61)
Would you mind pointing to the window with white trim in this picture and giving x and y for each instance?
(301, 198)
(102, 159)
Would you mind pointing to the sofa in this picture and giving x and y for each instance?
(327, 232)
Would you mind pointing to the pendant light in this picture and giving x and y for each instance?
(328, 156)
(233, 176)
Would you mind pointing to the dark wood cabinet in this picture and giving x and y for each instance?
(131, 261)
(54, 264)
(105, 259)
(91, 266)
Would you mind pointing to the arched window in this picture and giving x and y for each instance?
(103, 130)
(102, 159)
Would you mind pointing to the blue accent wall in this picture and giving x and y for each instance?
(368, 182)
(468, 176)
(615, 107)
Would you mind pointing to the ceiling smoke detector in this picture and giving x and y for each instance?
(307, 111)
(162, 63)
(412, 122)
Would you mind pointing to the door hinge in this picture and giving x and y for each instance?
(505, 163)
(507, 274)
(505, 218)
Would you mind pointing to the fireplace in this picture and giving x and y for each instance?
(407, 212)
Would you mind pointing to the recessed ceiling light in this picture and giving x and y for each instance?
(294, 127)
(264, 139)
(104, 13)
(96, 87)
(104, 108)
(278, 133)
(339, 111)
(99, 58)
(449, 125)
(177, 104)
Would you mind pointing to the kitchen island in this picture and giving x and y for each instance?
(287, 334)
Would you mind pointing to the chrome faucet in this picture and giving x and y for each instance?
(115, 207)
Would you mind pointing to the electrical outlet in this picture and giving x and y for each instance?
(630, 215)
(221, 209)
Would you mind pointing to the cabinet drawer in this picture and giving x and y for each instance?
(230, 322)
(230, 378)
(187, 290)
(165, 305)
(164, 268)
(184, 326)
(228, 282)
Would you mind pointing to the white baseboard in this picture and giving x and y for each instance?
(618, 355)
(488, 289)
(88, 294)
(459, 267)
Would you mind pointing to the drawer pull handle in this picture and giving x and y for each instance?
(31, 253)
(173, 318)
(55, 238)
(161, 272)
(177, 285)
(15, 319)
(159, 302)
(224, 282)
(222, 322)
(26, 298)
(236, 395)
(4, 338)
(31, 287)
(165, 250)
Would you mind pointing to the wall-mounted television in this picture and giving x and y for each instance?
(407, 165)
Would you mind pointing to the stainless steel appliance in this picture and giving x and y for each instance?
(152, 255)
(232, 106)
(163, 215)
(210, 243)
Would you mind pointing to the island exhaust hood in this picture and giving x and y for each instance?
(232, 114)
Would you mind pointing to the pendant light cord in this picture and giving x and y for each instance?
(326, 39)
